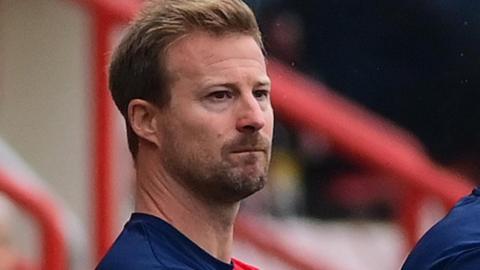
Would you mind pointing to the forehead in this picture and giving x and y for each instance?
(202, 53)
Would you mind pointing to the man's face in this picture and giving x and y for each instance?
(217, 130)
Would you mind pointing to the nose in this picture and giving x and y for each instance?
(251, 117)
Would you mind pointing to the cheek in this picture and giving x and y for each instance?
(269, 120)
(205, 139)
(201, 132)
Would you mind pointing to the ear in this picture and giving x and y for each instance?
(143, 118)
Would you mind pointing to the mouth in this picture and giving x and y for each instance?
(248, 150)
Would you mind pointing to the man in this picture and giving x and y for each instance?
(454, 242)
(190, 79)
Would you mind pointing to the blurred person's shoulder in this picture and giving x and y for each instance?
(452, 243)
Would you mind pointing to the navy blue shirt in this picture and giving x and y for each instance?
(453, 243)
(147, 242)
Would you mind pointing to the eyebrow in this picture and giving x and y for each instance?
(260, 83)
(266, 82)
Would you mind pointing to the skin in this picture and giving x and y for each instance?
(210, 146)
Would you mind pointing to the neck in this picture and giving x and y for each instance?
(207, 224)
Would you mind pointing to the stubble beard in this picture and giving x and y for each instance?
(224, 181)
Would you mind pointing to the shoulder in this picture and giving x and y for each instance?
(462, 222)
(147, 242)
(466, 260)
(450, 240)
(461, 226)
(131, 250)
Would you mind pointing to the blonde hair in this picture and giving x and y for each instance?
(137, 68)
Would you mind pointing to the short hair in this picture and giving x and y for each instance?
(137, 68)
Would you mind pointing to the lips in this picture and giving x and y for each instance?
(248, 150)
(247, 144)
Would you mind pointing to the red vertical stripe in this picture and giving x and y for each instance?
(103, 192)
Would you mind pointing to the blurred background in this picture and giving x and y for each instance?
(376, 133)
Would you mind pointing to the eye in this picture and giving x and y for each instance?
(220, 95)
(261, 94)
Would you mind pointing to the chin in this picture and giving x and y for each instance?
(250, 185)
(231, 185)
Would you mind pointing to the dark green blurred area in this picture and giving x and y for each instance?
(415, 62)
